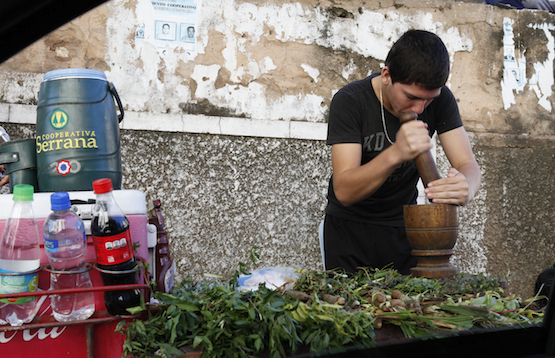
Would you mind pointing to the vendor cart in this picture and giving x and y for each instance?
(96, 336)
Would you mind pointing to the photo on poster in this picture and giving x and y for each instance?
(165, 30)
(140, 32)
(508, 54)
(187, 32)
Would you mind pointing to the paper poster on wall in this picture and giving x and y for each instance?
(171, 23)
(514, 66)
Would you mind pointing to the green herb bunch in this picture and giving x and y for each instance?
(230, 323)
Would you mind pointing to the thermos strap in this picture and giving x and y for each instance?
(9, 158)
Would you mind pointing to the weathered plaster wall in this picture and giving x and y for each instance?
(231, 137)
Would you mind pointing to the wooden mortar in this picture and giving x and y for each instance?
(431, 229)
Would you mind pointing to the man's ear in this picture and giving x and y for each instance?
(386, 76)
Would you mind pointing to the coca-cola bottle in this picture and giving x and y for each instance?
(115, 254)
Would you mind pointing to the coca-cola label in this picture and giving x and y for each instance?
(28, 334)
(116, 249)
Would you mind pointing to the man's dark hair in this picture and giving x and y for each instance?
(419, 57)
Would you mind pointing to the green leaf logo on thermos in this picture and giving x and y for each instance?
(58, 119)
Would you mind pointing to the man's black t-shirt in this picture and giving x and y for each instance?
(355, 117)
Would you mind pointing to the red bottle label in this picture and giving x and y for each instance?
(115, 249)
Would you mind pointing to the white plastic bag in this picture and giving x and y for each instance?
(272, 277)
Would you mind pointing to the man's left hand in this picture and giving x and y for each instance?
(450, 190)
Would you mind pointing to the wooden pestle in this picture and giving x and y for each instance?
(425, 163)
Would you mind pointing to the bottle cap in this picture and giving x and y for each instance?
(23, 192)
(60, 201)
(101, 186)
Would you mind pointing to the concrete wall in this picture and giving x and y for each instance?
(230, 132)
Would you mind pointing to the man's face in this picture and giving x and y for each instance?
(405, 98)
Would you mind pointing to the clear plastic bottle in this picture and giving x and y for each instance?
(19, 253)
(114, 249)
(66, 244)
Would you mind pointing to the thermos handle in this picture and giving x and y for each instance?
(6, 158)
(114, 93)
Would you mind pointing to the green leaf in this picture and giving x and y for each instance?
(258, 345)
(466, 310)
(254, 255)
(173, 333)
(213, 275)
(512, 305)
(252, 313)
(323, 317)
(120, 325)
(169, 349)
(207, 344)
(198, 340)
(478, 301)
(240, 305)
(243, 269)
(498, 306)
(135, 310)
(172, 300)
(140, 327)
(326, 341)
(311, 337)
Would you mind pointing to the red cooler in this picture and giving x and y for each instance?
(94, 337)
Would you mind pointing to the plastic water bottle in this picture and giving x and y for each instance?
(65, 242)
(19, 253)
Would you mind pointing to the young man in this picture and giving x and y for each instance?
(374, 174)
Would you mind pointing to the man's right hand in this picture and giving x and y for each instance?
(412, 140)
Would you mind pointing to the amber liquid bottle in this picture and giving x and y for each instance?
(164, 264)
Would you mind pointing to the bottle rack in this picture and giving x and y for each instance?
(99, 316)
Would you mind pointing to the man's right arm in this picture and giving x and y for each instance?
(353, 182)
